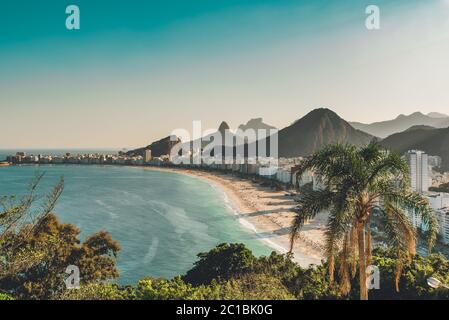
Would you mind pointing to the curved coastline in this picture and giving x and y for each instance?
(161, 220)
(264, 212)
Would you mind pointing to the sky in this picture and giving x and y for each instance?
(136, 70)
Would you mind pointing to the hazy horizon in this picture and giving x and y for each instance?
(118, 148)
(137, 70)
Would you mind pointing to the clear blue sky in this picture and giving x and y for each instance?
(138, 69)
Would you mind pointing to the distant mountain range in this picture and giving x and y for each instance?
(384, 129)
(322, 126)
(309, 134)
(255, 124)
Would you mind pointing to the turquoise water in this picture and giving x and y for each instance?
(161, 220)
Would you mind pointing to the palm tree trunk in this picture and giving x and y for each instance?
(362, 262)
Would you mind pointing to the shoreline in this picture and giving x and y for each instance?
(269, 218)
(261, 210)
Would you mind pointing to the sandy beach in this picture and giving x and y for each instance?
(267, 213)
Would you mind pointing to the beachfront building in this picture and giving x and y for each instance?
(435, 161)
(284, 176)
(147, 157)
(306, 177)
(73, 159)
(268, 171)
(45, 159)
(439, 202)
(157, 161)
(419, 170)
(253, 168)
(58, 160)
(31, 159)
(443, 222)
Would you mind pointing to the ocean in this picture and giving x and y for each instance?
(162, 220)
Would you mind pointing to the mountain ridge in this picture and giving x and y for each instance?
(432, 141)
(401, 123)
(318, 128)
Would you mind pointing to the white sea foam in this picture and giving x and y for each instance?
(245, 223)
(152, 250)
(108, 208)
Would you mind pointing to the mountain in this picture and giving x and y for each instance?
(437, 115)
(223, 127)
(261, 129)
(158, 148)
(256, 124)
(386, 128)
(419, 127)
(315, 130)
(305, 136)
(433, 141)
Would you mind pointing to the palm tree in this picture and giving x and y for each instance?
(356, 183)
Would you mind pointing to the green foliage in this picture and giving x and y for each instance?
(36, 249)
(311, 283)
(253, 286)
(95, 258)
(221, 263)
(176, 289)
(5, 297)
(356, 183)
(228, 271)
(413, 281)
(272, 277)
(276, 277)
(98, 291)
(247, 287)
(15, 254)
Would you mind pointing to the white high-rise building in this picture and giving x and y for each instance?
(418, 162)
(443, 222)
(435, 161)
(147, 157)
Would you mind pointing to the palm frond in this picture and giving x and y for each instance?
(309, 205)
(417, 204)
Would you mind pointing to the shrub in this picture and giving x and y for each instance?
(4, 296)
(221, 263)
(98, 291)
(176, 289)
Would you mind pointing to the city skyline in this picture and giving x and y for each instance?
(132, 74)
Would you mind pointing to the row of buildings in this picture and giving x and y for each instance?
(280, 170)
(91, 158)
(282, 173)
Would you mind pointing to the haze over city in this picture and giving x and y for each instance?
(131, 74)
